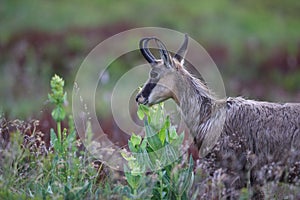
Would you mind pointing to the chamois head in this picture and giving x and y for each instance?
(160, 85)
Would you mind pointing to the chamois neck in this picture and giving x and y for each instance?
(191, 91)
(195, 101)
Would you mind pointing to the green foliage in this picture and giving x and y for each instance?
(158, 153)
(52, 176)
(58, 98)
(63, 172)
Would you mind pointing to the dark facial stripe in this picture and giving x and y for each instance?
(147, 90)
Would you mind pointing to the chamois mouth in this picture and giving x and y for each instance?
(145, 102)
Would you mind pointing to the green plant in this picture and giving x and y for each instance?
(62, 171)
(58, 98)
(158, 153)
(68, 163)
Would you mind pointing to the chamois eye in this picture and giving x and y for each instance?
(153, 74)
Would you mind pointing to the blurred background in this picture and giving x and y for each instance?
(255, 44)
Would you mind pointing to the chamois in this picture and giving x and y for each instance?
(249, 134)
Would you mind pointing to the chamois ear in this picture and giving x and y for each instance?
(180, 55)
(164, 54)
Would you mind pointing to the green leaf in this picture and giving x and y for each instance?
(144, 160)
(132, 148)
(168, 122)
(135, 139)
(178, 141)
(172, 133)
(53, 136)
(169, 155)
(134, 142)
(152, 137)
(153, 160)
(142, 111)
(58, 114)
(133, 180)
(157, 117)
(54, 141)
(140, 114)
(144, 144)
(71, 137)
(162, 135)
(148, 129)
(69, 142)
(127, 156)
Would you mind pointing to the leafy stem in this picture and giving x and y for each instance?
(58, 98)
(59, 132)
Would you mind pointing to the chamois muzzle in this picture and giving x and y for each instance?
(141, 100)
(143, 96)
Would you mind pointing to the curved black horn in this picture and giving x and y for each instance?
(163, 51)
(145, 50)
(183, 49)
